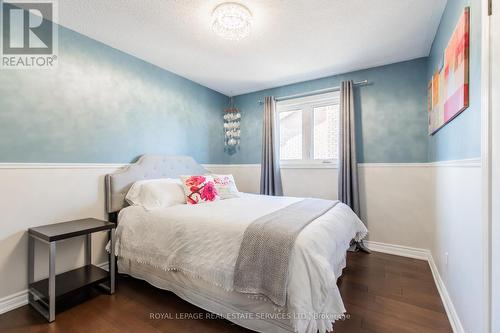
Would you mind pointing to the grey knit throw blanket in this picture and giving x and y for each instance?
(263, 260)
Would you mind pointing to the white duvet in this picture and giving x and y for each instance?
(204, 240)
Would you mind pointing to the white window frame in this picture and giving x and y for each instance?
(307, 105)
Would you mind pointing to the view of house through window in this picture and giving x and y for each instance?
(326, 128)
(291, 135)
(308, 129)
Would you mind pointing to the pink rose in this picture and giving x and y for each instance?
(208, 192)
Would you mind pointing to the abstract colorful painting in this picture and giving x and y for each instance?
(448, 90)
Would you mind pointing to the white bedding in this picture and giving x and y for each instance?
(203, 241)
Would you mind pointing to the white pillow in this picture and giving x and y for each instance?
(156, 193)
(226, 186)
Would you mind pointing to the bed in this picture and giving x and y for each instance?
(192, 251)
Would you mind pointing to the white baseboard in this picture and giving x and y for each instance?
(19, 299)
(399, 250)
(455, 322)
(13, 301)
(416, 253)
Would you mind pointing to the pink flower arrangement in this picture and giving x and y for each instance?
(200, 188)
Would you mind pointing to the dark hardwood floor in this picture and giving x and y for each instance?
(382, 293)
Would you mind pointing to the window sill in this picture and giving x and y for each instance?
(308, 165)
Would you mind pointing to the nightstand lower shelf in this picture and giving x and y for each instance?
(70, 281)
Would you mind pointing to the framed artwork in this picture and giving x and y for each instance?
(448, 90)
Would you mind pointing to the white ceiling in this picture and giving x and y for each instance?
(291, 40)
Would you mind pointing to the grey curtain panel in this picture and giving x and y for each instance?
(348, 190)
(270, 176)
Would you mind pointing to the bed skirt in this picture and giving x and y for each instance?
(212, 299)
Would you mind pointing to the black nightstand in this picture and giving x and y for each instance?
(43, 294)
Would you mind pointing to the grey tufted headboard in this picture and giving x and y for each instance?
(147, 167)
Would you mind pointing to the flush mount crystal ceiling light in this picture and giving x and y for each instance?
(232, 21)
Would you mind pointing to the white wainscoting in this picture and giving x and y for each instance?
(457, 246)
(395, 203)
(297, 182)
(247, 176)
(407, 207)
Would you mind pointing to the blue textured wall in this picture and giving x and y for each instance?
(460, 138)
(391, 114)
(102, 105)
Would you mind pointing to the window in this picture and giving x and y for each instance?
(308, 130)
